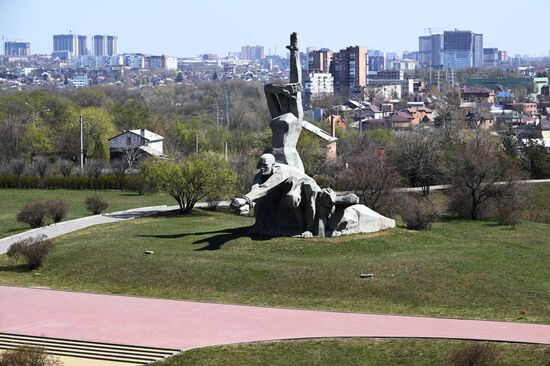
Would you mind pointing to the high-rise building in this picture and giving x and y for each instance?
(376, 60)
(503, 56)
(319, 60)
(350, 68)
(68, 45)
(430, 51)
(490, 57)
(253, 53)
(17, 49)
(105, 45)
(462, 49)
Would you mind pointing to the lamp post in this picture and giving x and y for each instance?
(81, 145)
(33, 111)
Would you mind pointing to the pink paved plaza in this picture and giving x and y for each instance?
(185, 324)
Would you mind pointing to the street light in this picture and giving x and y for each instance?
(33, 111)
(34, 116)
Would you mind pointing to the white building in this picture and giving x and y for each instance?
(318, 84)
(149, 143)
(80, 81)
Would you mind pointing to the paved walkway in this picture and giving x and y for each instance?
(184, 324)
(65, 227)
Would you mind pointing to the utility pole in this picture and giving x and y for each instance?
(226, 157)
(81, 145)
(197, 143)
(226, 108)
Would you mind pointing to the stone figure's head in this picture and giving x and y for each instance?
(265, 164)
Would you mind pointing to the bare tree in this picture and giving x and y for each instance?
(417, 157)
(65, 168)
(119, 168)
(17, 167)
(131, 155)
(94, 167)
(479, 173)
(371, 176)
(41, 166)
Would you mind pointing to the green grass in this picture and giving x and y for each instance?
(459, 268)
(341, 352)
(12, 200)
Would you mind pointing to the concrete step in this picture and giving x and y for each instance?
(92, 350)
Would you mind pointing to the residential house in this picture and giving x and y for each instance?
(140, 143)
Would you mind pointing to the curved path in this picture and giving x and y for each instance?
(66, 227)
(184, 324)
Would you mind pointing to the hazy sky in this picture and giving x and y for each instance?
(192, 27)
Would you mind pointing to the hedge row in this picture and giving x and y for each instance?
(130, 183)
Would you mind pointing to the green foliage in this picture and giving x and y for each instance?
(191, 180)
(98, 128)
(131, 114)
(312, 150)
(96, 204)
(381, 136)
(536, 160)
(37, 138)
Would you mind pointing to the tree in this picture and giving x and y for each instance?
(479, 173)
(131, 114)
(417, 157)
(98, 128)
(41, 167)
(94, 167)
(119, 168)
(536, 160)
(373, 178)
(65, 168)
(17, 167)
(191, 180)
(37, 138)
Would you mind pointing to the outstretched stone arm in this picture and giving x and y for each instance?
(260, 190)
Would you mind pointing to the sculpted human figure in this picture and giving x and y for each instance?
(283, 197)
(285, 107)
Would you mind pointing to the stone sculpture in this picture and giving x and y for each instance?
(286, 201)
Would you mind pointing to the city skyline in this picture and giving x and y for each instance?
(186, 30)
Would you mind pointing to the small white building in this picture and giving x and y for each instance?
(80, 81)
(148, 143)
(318, 85)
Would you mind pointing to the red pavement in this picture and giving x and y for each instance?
(184, 324)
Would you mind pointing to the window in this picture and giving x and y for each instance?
(128, 141)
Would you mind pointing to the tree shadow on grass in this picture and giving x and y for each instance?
(216, 241)
(17, 268)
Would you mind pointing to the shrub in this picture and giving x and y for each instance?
(34, 214)
(28, 355)
(417, 213)
(477, 354)
(33, 250)
(57, 210)
(96, 204)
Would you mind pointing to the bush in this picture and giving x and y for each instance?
(28, 355)
(34, 214)
(417, 213)
(57, 210)
(95, 204)
(477, 354)
(33, 250)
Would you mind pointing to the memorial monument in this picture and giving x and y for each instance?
(286, 201)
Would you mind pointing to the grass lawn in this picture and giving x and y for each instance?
(460, 268)
(12, 200)
(341, 352)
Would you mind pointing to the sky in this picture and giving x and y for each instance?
(188, 28)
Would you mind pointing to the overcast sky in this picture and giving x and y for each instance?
(192, 27)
